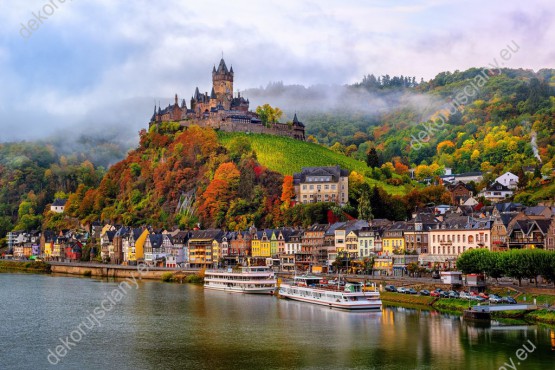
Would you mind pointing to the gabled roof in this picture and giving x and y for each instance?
(59, 202)
(206, 234)
(535, 211)
(318, 227)
(496, 186)
(334, 171)
(507, 207)
(110, 235)
(156, 240)
(353, 225)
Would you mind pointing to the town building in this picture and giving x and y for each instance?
(453, 236)
(201, 244)
(58, 206)
(508, 179)
(459, 193)
(393, 240)
(496, 192)
(322, 184)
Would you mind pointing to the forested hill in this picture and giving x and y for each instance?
(493, 129)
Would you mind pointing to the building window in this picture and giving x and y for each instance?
(311, 187)
(304, 187)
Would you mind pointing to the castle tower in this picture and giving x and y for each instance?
(222, 83)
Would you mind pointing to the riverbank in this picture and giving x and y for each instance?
(25, 266)
(123, 272)
(457, 306)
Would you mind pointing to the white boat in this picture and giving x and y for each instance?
(251, 279)
(310, 289)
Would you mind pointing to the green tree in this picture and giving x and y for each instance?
(268, 114)
(372, 158)
(364, 208)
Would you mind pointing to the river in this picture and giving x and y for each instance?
(154, 325)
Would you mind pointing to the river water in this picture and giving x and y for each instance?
(153, 325)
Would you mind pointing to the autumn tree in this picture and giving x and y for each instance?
(268, 114)
(288, 191)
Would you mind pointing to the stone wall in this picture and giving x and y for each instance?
(113, 271)
(278, 129)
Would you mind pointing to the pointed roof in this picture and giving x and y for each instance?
(296, 121)
(222, 68)
(212, 94)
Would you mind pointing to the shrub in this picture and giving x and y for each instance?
(87, 273)
(194, 279)
(167, 277)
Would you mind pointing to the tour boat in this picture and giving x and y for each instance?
(251, 279)
(312, 289)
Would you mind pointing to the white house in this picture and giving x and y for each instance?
(58, 205)
(508, 179)
(496, 192)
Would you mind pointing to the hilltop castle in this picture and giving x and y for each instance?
(222, 110)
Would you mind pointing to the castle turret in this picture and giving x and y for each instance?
(222, 82)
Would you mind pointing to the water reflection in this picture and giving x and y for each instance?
(174, 326)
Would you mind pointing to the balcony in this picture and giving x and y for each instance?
(526, 241)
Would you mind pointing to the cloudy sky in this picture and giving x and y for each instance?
(99, 64)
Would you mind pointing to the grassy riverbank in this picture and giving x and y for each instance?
(397, 298)
(457, 306)
(25, 266)
(170, 277)
(541, 316)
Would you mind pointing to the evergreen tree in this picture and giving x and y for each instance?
(372, 158)
(364, 207)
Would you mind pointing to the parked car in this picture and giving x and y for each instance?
(494, 298)
(484, 295)
(401, 290)
(464, 295)
(478, 298)
(390, 288)
(509, 300)
(453, 294)
(443, 294)
(434, 294)
(435, 275)
(425, 292)
(411, 291)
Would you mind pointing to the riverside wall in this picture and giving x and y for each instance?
(115, 271)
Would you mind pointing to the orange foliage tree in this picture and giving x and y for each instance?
(288, 191)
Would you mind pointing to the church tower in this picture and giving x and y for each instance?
(222, 83)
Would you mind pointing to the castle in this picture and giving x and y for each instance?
(221, 110)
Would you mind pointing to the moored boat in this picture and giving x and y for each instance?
(251, 279)
(311, 289)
